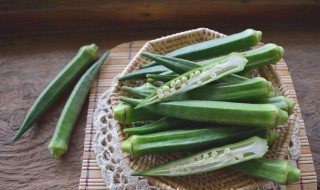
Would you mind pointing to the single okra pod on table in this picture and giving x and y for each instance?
(184, 140)
(278, 171)
(245, 114)
(216, 47)
(211, 159)
(79, 63)
(196, 78)
(126, 114)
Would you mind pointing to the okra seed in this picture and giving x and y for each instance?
(167, 93)
(205, 156)
(227, 150)
(172, 90)
(178, 83)
(165, 88)
(191, 75)
(161, 96)
(184, 79)
(214, 154)
(173, 84)
(197, 73)
(160, 91)
(239, 156)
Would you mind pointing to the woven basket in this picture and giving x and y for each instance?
(220, 179)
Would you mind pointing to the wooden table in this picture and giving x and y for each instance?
(30, 58)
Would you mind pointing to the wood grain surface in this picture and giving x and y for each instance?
(27, 64)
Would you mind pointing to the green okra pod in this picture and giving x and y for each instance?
(79, 63)
(283, 102)
(164, 124)
(59, 143)
(163, 78)
(185, 140)
(142, 73)
(278, 171)
(216, 47)
(259, 115)
(141, 91)
(211, 159)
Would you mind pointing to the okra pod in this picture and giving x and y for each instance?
(185, 140)
(142, 91)
(267, 54)
(163, 78)
(283, 102)
(278, 171)
(164, 124)
(196, 78)
(212, 159)
(259, 115)
(79, 63)
(216, 47)
(59, 143)
(142, 73)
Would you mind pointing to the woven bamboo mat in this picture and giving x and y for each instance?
(119, 57)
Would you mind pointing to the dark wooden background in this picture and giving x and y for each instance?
(37, 38)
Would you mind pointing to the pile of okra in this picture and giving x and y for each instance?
(202, 99)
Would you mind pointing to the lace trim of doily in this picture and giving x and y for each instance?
(116, 172)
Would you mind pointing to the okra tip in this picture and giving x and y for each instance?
(282, 117)
(137, 173)
(57, 152)
(293, 174)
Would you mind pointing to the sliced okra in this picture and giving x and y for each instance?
(211, 159)
(196, 78)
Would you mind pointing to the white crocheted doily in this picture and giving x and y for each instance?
(116, 172)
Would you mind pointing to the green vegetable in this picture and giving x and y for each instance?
(259, 115)
(59, 143)
(282, 102)
(185, 140)
(125, 114)
(216, 47)
(211, 159)
(164, 124)
(141, 73)
(251, 90)
(278, 171)
(196, 78)
(268, 54)
(82, 60)
(142, 91)
(272, 90)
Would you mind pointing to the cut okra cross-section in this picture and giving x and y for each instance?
(211, 159)
(198, 77)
